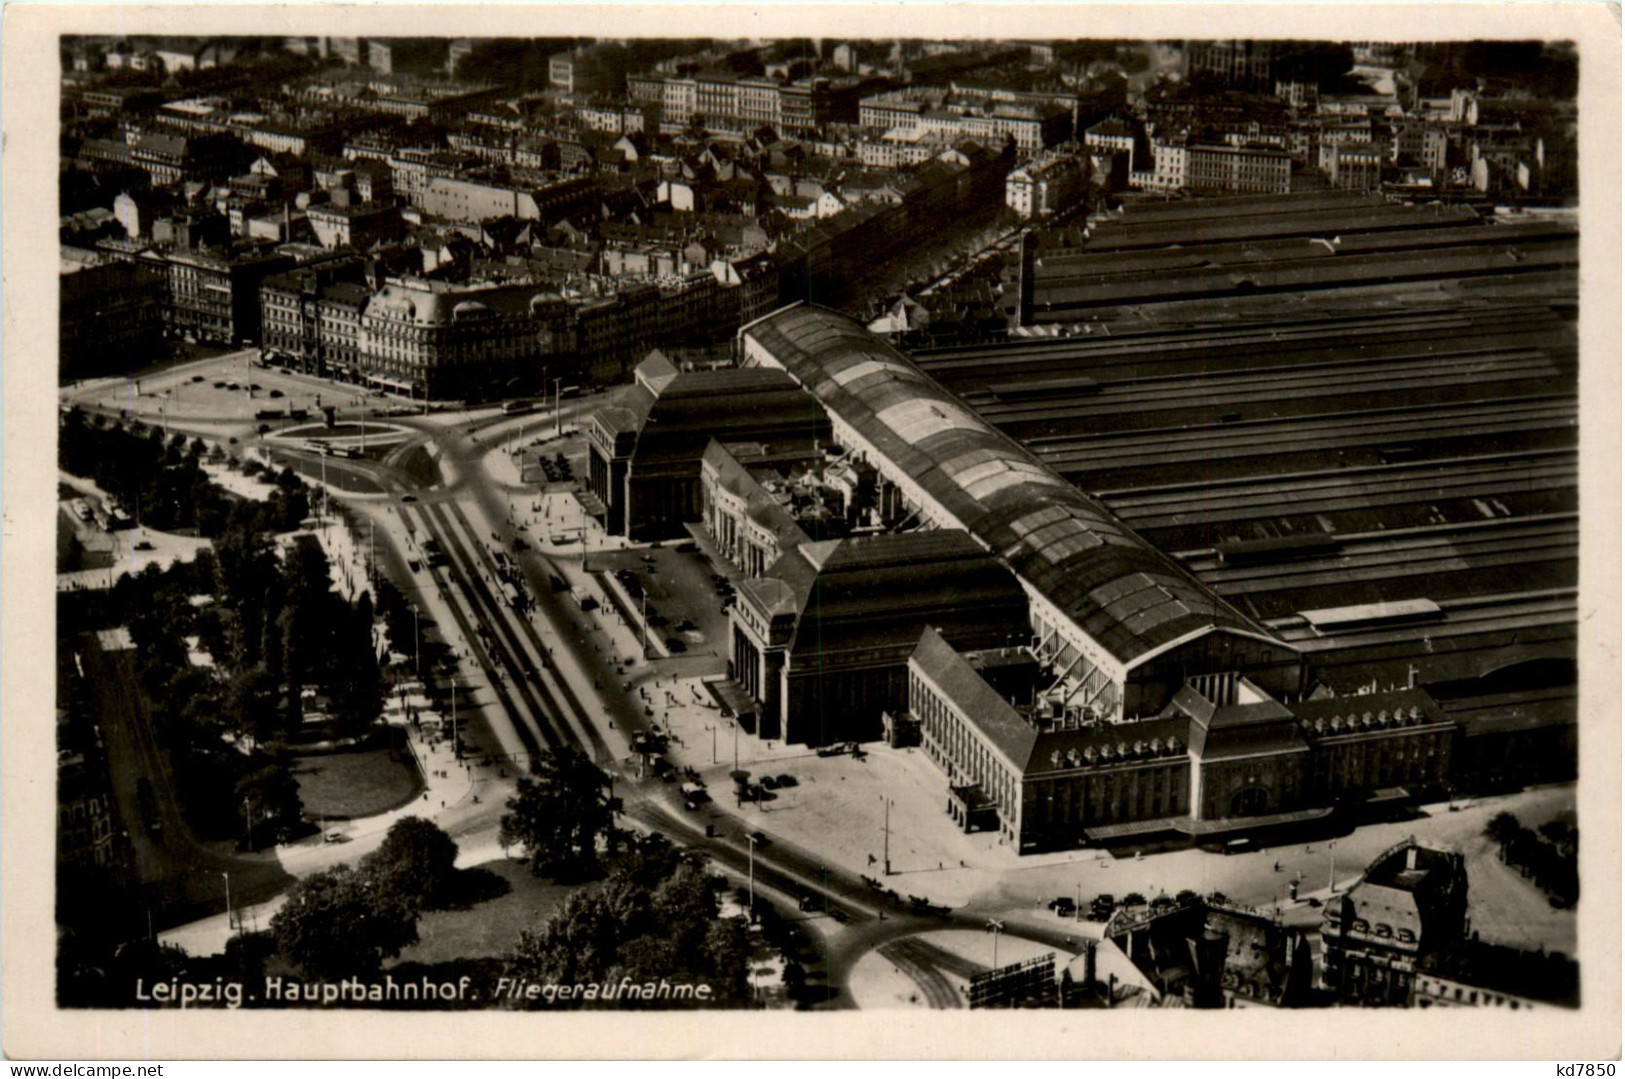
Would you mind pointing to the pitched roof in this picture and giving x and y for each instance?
(877, 592)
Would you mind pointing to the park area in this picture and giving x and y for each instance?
(361, 783)
(487, 928)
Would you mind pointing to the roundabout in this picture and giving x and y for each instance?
(342, 436)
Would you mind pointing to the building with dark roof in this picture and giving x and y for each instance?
(311, 317)
(112, 317)
(754, 512)
(1409, 906)
(1222, 755)
(646, 449)
(1214, 955)
(438, 340)
(214, 294)
(822, 640)
(1125, 622)
(1327, 610)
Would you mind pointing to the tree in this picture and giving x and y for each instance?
(270, 793)
(795, 980)
(355, 682)
(577, 943)
(250, 709)
(654, 918)
(340, 924)
(1503, 828)
(558, 815)
(416, 863)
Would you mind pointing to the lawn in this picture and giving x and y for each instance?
(420, 468)
(490, 928)
(348, 785)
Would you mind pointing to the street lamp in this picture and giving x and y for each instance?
(995, 927)
(645, 624)
(223, 873)
(885, 839)
(1331, 868)
(751, 909)
(417, 667)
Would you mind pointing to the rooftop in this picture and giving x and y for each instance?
(1123, 593)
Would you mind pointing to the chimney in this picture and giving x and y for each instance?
(1410, 857)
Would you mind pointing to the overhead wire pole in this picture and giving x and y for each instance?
(751, 909)
(885, 839)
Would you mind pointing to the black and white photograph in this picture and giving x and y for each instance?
(626, 519)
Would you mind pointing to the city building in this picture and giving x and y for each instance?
(1357, 166)
(472, 202)
(311, 318)
(111, 316)
(646, 450)
(340, 223)
(168, 159)
(821, 642)
(1482, 975)
(762, 500)
(1408, 906)
(1335, 690)
(438, 340)
(1252, 169)
(1021, 758)
(407, 56)
(214, 294)
(1245, 65)
(1210, 954)
(1044, 187)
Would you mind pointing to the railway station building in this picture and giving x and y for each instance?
(1368, 591)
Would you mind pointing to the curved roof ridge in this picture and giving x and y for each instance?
(1124, 593)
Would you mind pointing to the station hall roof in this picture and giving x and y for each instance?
(1123, 593)
(873, 593)
(675, 414)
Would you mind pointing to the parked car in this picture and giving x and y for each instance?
(1064, 906)
(760, 838)
(786, 780)
(769, 783)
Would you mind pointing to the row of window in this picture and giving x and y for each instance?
(1384, 931)
(967, 753)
